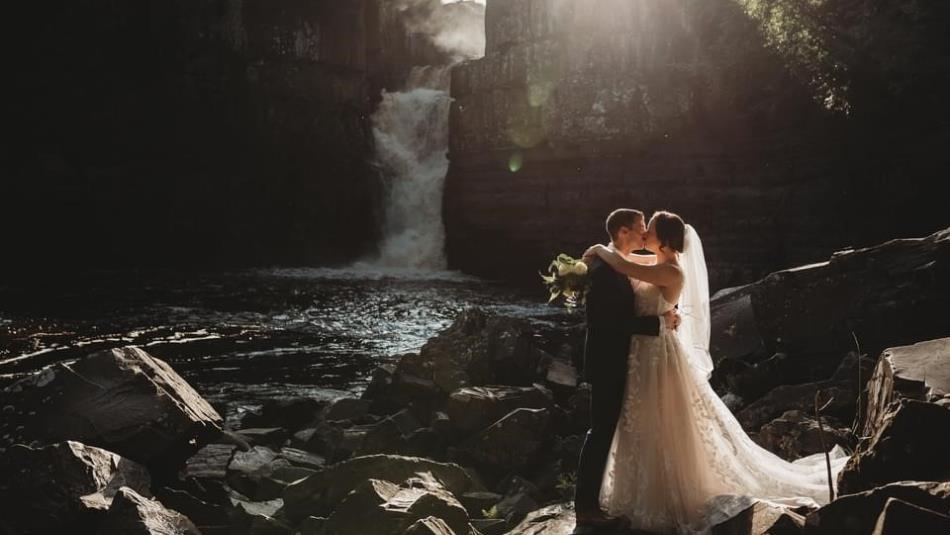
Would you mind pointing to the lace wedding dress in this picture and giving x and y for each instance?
(680, 462)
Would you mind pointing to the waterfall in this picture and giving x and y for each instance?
(411, 130)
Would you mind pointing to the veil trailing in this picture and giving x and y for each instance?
(694, 304)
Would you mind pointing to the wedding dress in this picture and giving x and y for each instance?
(680, 462)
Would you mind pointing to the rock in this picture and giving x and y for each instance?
(426, 442)
(346, 409)
(920, 371)
(472, 409)
(857, 514)
(63, 487)
(429, 526)
(477, 349)
(312, 525)
(379, 390)
(207, 517)
(383, 437)
(405, 421)
(133, 514)
(319, 493)
(909, 444)
(305, 459)
(210, 461)
(123, 400)
(490, 526)
(253, 473)
(291, 414)
(795, 434)
(477, 501)
(561, 375)
(264, 436)
(900, 517)
(246, 520)
(382, 507)
(553, 519)
(762, 518)
(799, 398)
(734, 333)
(510, 443)
(515, 506)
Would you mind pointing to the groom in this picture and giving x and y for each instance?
(610, 324)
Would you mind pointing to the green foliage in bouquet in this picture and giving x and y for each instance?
(567, 277)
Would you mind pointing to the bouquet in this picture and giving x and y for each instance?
(567, 277)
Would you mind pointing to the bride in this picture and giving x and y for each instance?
(680, 462)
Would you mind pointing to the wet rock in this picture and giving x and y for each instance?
(510, 443)
(477, 349)
(346, 409)
(123, 400)
(899, 517)
(474, 408)
(558, 518)
(291, 414)
(382, 507)
(795, 434)
(920, 371)
(910, 443)
(319, 493)
(63, 487)
(133, 514)
(857, 514)
(272, 437)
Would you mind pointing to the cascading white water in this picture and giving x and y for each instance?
(411, 130)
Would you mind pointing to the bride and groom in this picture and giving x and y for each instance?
(664, 453)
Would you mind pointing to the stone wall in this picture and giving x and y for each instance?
(692, 107)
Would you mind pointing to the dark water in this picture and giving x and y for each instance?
(244, 337)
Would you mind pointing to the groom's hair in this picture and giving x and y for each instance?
(622, 217)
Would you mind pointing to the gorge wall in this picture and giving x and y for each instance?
(782, 130)
(224, 132)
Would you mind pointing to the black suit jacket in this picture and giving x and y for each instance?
(611, 322)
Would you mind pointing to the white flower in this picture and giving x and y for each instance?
(579, 268)
(564, 270)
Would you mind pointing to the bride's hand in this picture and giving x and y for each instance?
(591, 252)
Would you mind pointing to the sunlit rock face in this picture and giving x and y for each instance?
(759, 141)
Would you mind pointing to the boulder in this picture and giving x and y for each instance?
(795, 434)
(255, 473)
(799, 398)
(510, 443)
(910, 443)
(264, 436)
(920, 371)
(301, 458)
(553, 519)
(319, 494)
(291, 414)
(210, 461)
(312, 525)
(133, 514)
(477, 501)
(385, 508)
(899, 517)
(429, 526)
(123, 400)
(472, 409)
(64, 487)
(346, 409)
(734, 333)
(858, 514)
(247, 520)
(763, 518)
(490, 526)
(208, 517)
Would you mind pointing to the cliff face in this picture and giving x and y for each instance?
(778, 151)
(204, 132)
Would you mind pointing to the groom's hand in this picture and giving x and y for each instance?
(672, 319)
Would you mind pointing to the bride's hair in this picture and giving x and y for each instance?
(670, 230)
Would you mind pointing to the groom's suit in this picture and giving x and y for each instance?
(610, 323)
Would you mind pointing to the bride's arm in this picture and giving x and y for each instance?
(662, 275)
(642, 259)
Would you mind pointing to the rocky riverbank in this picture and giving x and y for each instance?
(479, 431)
